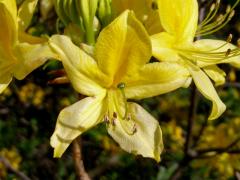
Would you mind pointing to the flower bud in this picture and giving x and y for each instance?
(105, 12)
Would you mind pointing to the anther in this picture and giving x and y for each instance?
(213, 7)
(129, 117)
(229, 39)
(154, 5)
(134, 129)
(238, 43)
(121, 86)
(231, 15)
(115, 115)
(220, 18)
(228, 9)
(114, 121)
(228, 52)
(106, 119)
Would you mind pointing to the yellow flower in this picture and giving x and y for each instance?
(176, 44)
(116, 72)
(145, 10)
(20, 53)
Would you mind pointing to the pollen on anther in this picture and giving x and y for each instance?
(229, 39)
(238, 43)
(134, 128)
(114, 115)
(228, 52)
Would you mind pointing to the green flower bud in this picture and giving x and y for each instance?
(105, 12)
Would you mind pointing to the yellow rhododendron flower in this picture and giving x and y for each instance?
(20, 53)
(179, 19)
(116, 72)
(145, 10)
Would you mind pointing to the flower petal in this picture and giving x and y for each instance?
(147, 141)
(74, 120)
(24, 37)
(179, 18)
(81, 68)
(25, 13)
(4, 86)
(140, 8)
(162, 47)
(155, 79)
(11, 7)
(216, 74)
(205, 86)
(127, 45)
(30, 57)
(143, 10)
(8, 30)
(211, 44)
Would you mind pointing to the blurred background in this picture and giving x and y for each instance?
(29, 109)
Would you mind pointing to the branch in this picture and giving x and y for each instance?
(9, 167)
(201, 131)
(112, 162)
(77, 157)
(221, 150)
(191, 117)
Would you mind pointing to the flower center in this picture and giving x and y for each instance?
(118, 111)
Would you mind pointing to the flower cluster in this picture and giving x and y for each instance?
(116, 50)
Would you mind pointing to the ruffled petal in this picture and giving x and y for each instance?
(81, 68)
(206, 45)
(74, 120)
(162, 47)
(216, 74)
(206, 88)
(147, 141)
(127, 45)
(31, 57)
(155, 79)
(25, 13)
(179, 18)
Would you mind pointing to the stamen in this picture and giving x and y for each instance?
(212, 13)
(238, 43)
(130, 131)
(206, 28)
(154, 5)
(129, 117)
(106, 119)
(134, 128)
(115, 115)
(121, 87)
(228, 52)
(229, 39)
(114, 118)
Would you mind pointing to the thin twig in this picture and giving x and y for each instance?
(220, 150)
(9, 167)
(191, 117)
(77, 157)
(111, 162)
(201, 131)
